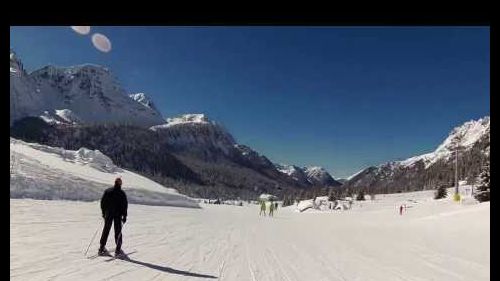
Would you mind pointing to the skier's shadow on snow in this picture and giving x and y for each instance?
(169, 269)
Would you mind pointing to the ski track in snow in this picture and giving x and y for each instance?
(221, 242)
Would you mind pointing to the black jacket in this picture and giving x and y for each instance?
(114, 203)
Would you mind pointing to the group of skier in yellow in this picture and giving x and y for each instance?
(272, 207)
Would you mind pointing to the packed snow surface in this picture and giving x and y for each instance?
(432, 240)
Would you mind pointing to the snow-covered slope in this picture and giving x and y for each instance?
(254, 157)
(432, 240)
(89, 91)
(44, 172)
(355, 174)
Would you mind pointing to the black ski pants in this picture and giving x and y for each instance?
(118, 230)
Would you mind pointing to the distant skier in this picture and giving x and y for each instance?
(276, 206)
(271, 209)
(114, 206)
(401, 210)
(262, 208)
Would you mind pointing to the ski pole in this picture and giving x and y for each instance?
(121, 230)
(92, 240)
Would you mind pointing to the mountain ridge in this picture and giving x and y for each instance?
(433, 168)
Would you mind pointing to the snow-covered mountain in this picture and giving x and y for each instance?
(464, 136)
(294, 172)
(319, 176)
(145, 100)
(342, 181)
(25, 98)
(260, 161)
(316, 176)
(90, 93)
(427, 170)
(195, 134)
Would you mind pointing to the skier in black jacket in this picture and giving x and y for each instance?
(114, 210)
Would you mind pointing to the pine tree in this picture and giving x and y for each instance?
(348, 193)
(360, 196)
(483, 191)
(286, 201)
(441, 192)
(332, 197)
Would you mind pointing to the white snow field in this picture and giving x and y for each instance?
(432, 240)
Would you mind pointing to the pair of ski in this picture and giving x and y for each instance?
(111, 257)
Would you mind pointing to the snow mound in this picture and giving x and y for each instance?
(95, 159)
(83, 156)
(304, 205)
(44, 172)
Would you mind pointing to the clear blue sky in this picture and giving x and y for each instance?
(338, 97)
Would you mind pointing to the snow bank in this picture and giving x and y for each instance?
(83, 156)
(304, 205)
(44, 172)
